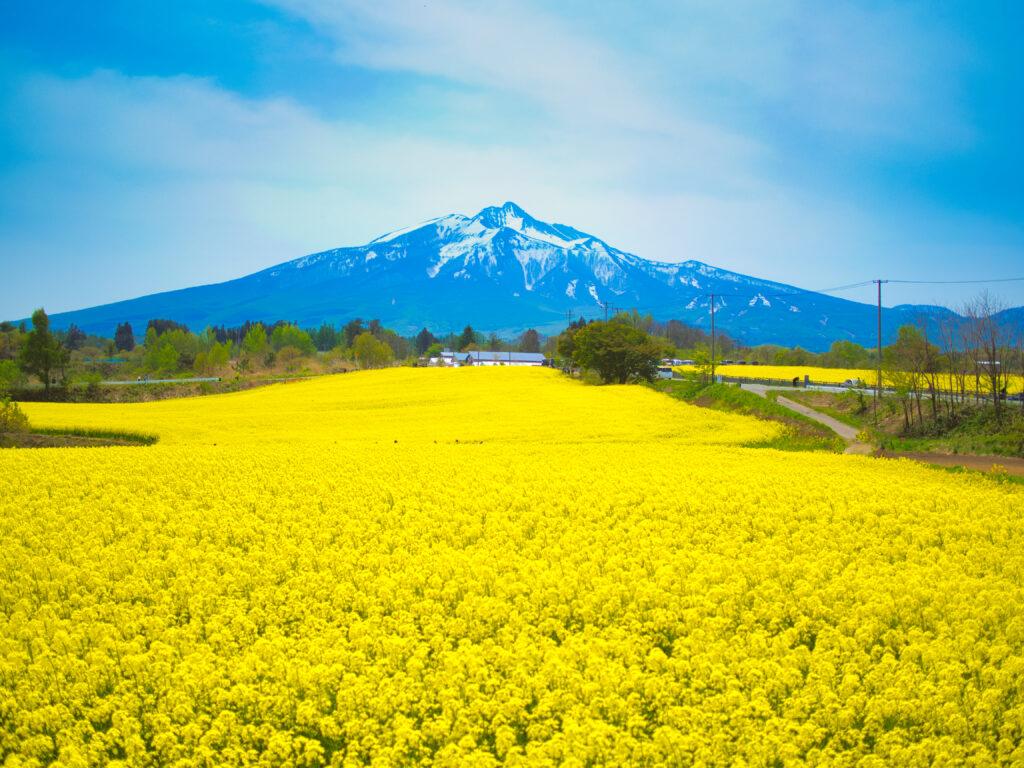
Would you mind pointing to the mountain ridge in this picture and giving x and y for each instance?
(504, 270)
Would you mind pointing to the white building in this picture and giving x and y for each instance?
(483, 357)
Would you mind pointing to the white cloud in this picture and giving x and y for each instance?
(167, 182)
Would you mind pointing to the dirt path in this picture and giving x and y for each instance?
(845, 431)
(1011, 465)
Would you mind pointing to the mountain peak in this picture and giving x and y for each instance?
(507, 215)
(503, 270)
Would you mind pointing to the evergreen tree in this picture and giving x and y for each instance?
(124, 338)
(424, 340)
(74, 338)
(325, 337)
(467, 337)
(163, 326)
(352, 329)
(41, 353)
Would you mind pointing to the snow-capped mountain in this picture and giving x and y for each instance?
(500, 270)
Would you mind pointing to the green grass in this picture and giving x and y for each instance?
(972, 430)
(840, 415)
(800, 433)
(104, 434)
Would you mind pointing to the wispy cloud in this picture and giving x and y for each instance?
(674, 130)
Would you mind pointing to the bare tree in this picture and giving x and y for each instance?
(953, 362)
(1018, 334)
(989, 341)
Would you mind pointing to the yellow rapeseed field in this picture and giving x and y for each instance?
(473, 567)
(839, 375)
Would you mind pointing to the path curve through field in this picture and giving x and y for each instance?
(845, 431)
(1009, 464)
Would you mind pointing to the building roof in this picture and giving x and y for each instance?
(501, 357)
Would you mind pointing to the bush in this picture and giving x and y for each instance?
(289, 357)
(12, 418)
(11, 376)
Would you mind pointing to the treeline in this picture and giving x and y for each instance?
(166, 348)
(945, 370)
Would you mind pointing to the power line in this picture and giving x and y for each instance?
(959, 282)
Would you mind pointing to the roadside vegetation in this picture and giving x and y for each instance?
(800, 433)
(972, 428)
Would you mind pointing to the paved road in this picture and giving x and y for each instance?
(845, 431)
(132, 382)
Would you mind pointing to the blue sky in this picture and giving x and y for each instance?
(157, 145)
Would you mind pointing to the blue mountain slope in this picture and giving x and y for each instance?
(505, 271)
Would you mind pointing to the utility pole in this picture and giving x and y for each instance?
(878, 380)
(712, 338)
(605, 303)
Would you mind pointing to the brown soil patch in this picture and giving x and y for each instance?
(1009, 464)
(31, 440)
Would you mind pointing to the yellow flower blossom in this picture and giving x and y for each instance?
(496, 566)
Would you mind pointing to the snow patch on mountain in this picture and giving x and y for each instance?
(524, 273)
(462, 248)
(759, 297)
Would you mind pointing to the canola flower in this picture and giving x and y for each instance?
(866, 376)
(590, 575)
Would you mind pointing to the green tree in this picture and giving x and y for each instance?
(467, 337)
(352, 329)
(11, 339)
(124, 338)
(163, 357)
(424, 340)
(215, 359)
(566, 346)
(255, 342)
(325, 337)
(371, 352)
(11, 376)
(74, 338)
(42, 354)
(289, 335)
(617, 351)
(845, 354)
